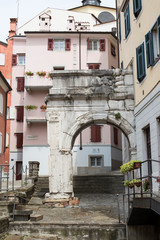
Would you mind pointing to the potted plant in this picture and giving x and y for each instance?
(137, 182)
(137, 164)
(146, 184)
(41, 74)
(126, 183)
(43, 107)
(29, 73)
(131, 184)
(158, 179)
(30, 107)
(126, 167)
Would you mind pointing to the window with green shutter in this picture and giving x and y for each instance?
(127, 21)
(137, 6)
(141, 71)
(155, 42)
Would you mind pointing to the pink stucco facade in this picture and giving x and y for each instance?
(33, 48)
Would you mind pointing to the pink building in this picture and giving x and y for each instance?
(53, 40)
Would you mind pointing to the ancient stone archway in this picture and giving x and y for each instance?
(77, 99)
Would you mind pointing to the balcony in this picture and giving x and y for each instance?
(37, 83)
(143, 201)
(35, 116)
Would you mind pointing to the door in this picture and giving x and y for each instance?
(18, 170)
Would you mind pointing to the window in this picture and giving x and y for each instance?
(92, 45)
(127, 21)
(19, 140)
(7, 116)
(2, 59)
(119, 24)
(148, 142)
(115, 134)
(59, 45)
(141, 71)
(137, 6)
(20, 84)
(21, 59)
(20, 113)
(155, 41)
(7, 140)
(95, 133)
(93, 66)
(113, 50)
(0, 142)
(96, 161)
(1, 103)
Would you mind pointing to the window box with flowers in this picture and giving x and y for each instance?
(30, 107)
(41, 74)
(29, 73)
(43, 108)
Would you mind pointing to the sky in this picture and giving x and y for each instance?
(30, 8)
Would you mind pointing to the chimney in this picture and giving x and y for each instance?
(13, 26)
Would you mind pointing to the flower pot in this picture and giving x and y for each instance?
(130, 186)
(137, 165)
(138, 184)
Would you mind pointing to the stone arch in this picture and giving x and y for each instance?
(87, 119)
(76, 100)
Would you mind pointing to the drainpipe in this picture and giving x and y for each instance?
(79, 51)
(80, 69)
(5, 122)
(117, 32)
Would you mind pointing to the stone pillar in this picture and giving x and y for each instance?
(60, 161)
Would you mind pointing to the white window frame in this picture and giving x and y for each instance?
(2, 59)
(21, 59)
(92, 46)
(59, 45)
(96, 158)
(0, 143)
(1, 104)
(156, 45)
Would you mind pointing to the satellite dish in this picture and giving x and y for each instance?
(106, 17)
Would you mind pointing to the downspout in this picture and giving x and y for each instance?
(5, 122)
(80, 69)
(79, 51)
(117, 32)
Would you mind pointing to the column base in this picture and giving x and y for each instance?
(60, 200)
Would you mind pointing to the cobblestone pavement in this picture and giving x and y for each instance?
(95, 208)
(92, 209)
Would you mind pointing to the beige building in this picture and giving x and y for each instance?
(139, 25)
(139, 49)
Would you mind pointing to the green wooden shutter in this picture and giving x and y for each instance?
(148, 49)
(158, 22)
(137, 6)
(141, 71)
(127, 21)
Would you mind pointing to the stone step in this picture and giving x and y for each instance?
(21, 215)
(36, 217)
